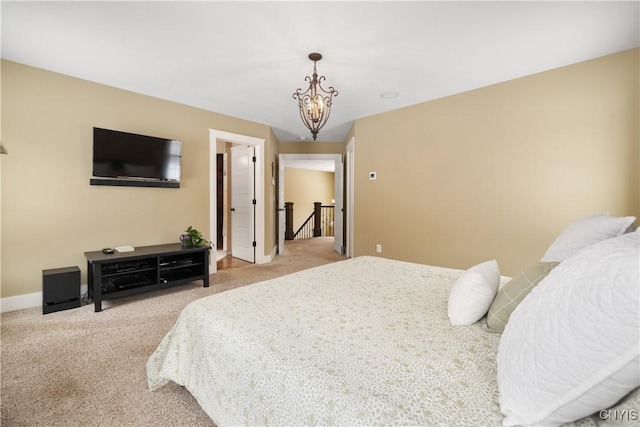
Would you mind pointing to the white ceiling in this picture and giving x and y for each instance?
(245, 59)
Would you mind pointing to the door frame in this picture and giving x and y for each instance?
(349, 199)
(259, 143)
(281, 184)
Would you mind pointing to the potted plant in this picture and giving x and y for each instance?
(193, 237)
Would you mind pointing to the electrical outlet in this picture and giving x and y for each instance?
(379, 248)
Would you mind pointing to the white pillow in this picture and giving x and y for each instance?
(584, 232)
(473, 292)
(572, 347)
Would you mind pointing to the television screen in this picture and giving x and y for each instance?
(131, 156)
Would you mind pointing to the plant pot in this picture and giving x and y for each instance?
(186, 240)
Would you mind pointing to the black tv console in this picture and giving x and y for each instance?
(147, 268)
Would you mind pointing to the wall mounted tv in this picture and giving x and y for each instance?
(128, 159)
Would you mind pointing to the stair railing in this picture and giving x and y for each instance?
(318, 224)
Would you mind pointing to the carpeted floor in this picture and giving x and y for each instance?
(81, 368)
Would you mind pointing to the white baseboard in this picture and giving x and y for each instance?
(19, 302)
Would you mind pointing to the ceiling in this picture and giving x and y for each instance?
(245, 59)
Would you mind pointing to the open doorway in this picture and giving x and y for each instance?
(235, 201)
(222, 137)
(332, 163)
(235, 205)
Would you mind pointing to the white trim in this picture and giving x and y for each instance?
(310, 156)
(350, 155)
(259, 144)
(20, 302)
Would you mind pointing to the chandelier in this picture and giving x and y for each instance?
(315, 102)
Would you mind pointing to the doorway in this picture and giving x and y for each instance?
(216, 136)
(337, 161)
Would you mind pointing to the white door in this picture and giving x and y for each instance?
(281, 212)
(243, 203)
(338, 244)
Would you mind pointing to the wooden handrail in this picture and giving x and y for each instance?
(322, 224)
(304, 227)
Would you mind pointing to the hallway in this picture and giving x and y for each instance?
(317, 247)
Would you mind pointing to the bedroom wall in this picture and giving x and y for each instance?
(303, 188)
(271, 193)
(500, 171)
(1, 157)
(311, 147)
(50, 213)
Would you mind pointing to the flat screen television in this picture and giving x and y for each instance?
(132, 157)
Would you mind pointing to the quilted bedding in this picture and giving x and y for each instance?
(365, 341)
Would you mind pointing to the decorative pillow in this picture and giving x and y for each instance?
(511, 294)
(584, 232)
(571, 347)
(473, 292)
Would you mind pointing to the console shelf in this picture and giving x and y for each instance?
(145, 269)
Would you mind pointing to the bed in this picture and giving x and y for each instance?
(365, 341)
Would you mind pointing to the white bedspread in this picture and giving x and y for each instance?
(364, 341)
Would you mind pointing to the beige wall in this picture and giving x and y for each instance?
(311, 147)
(271, 192)
(50, 213)
(303, 188)
(492, 173)
(1, 157)
(498, 172)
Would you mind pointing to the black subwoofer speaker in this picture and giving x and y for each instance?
(60, 289)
